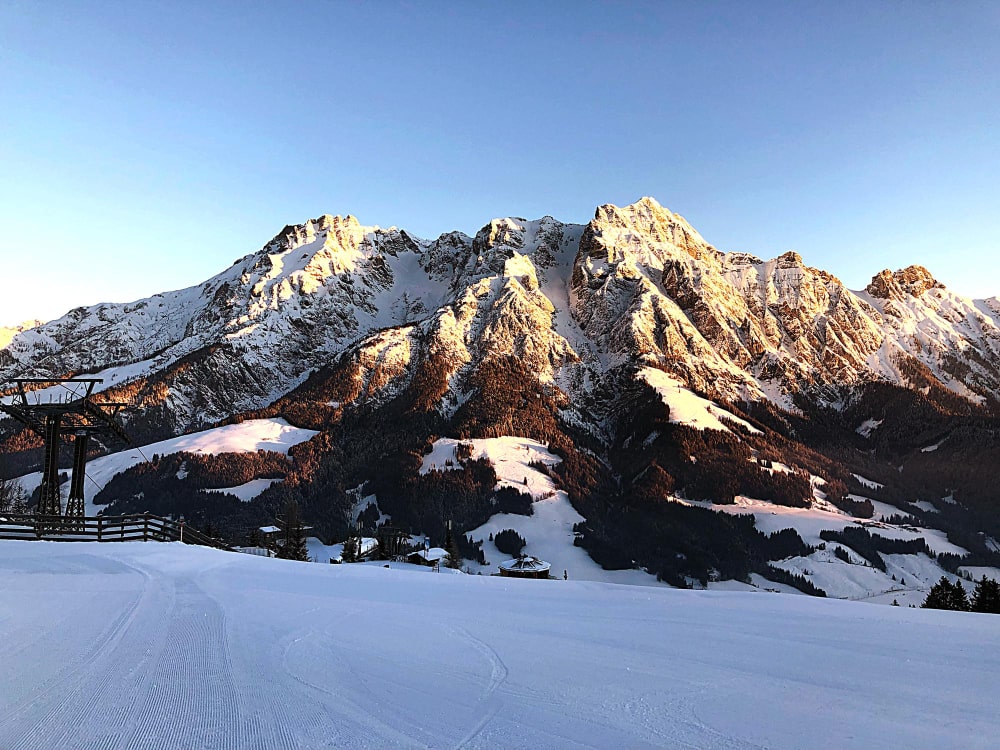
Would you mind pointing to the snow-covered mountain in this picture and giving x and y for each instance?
(574, 335)
(637, 285)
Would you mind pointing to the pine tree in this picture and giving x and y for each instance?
(938, 596)
(13, 498)
(294, 547)
(350, 551)
(959, 599)
(946, 595)
(986, 597)
(451, 547)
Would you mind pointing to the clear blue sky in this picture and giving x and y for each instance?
(144, 146)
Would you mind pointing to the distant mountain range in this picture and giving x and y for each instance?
(683, 391)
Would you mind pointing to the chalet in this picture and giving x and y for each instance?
(270, 533)
(432, 557)
(276, 534)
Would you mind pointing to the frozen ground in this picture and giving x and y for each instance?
(148, 645)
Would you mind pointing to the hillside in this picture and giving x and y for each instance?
(200, 648)
(702, 416)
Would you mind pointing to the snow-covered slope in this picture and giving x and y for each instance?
(194, 647)
(548, 531)
(245, 437)
(907, 578)
(957, 338)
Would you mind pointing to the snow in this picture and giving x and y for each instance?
(931, 448)
(511, 458)
(837, 578)
(250, 490)
(198, 648)
(549, 530)
(977, 572)
(758, 584)
(323, 553)
(925, 505)
(858, 581)
(259, 551)
(687, 407)
(433, 554)
(246, 437)
(809, 522)
(866, 428)
(883, 511)
(868, 482)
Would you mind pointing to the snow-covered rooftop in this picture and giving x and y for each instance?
(525, 564)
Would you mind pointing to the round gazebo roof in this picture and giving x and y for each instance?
(525, 564)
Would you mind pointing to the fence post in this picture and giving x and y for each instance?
(182, 529)
(145, 526)
(100, 522)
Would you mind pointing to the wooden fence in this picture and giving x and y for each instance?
(142, 527)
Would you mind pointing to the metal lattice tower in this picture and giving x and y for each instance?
(50, 502)
(71, 412)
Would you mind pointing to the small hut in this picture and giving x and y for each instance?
(432, 557)
(525, 566)
(269, 533)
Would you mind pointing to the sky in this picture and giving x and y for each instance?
(145, 146)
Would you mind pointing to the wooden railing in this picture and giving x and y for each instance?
(142, 527)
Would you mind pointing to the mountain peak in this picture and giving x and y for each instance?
(7, 333)
(789, 259)
(911, 281)
(647, 218)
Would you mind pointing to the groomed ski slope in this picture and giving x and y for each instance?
(149, 645)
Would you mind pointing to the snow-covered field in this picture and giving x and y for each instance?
(149, 645)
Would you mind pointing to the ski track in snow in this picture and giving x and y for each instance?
(157, 645)
(490, 703)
